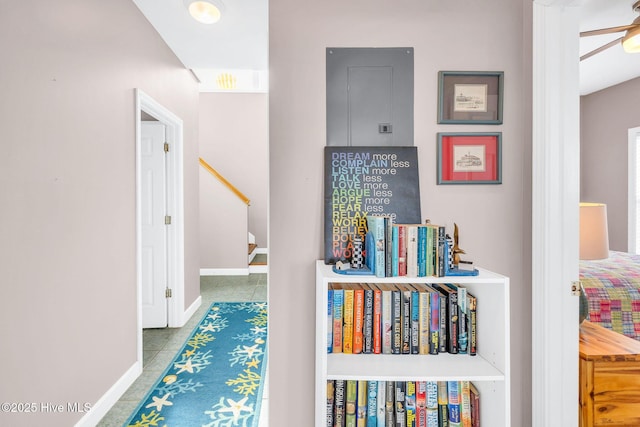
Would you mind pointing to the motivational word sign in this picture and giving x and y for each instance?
(361, 181)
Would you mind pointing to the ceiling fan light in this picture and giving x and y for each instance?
(205, 11)
(631, 39)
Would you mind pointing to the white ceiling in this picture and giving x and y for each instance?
(239, 42)
(613, 65)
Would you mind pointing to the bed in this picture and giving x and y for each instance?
(612, 287)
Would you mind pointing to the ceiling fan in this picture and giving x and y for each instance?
(630, 41)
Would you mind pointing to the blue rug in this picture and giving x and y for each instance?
(216, 380)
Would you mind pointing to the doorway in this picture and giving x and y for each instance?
(173, 251)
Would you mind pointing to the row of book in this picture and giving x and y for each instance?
(361, 403)
(401, 318)
(413, 250)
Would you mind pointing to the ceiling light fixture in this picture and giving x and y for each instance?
(205, 11)
(226, 81)
(631, 40)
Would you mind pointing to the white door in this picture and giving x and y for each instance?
(154, 229)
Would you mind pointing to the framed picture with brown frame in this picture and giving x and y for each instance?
(469, 158)
(470, 97)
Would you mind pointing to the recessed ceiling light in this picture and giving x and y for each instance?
(205, 11)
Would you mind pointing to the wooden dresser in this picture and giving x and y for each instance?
(609, 378)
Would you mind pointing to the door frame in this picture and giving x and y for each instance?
(175, 205)
(555, 212)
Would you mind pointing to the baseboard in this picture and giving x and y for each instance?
(224, 271)
(190, 311)
(255, 269)
(106, 402)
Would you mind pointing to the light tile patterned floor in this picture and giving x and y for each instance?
(161, 345)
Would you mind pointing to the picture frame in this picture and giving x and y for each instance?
(469, 158)
(470, 97)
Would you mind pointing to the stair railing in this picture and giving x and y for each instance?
(224, 181)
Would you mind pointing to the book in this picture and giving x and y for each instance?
(451, 301)
(453, 403)
(330, 402)
(421, 404)
(422, 251)
(361, 406)
(339, 402)
(372, 404)
(376, 250)
(463, 333)
(386, 328)
(367, 326)
(442, 254)
(381, 399)
(400, 390)
(388, 249)
(395, 246)
(435, 344)
(351, 403)
(472, 304)
(431, 403)
(330, 320)
(475, 405)
(412, 250)
(405, 311)
(465, 404)
(358, 318)
(443, 404)
(347, 324)
(424, 320)
(415, 320)
(402, 250)
(390, 404)
(410, 403)
(377, 319)
(396, 321)
(338, 307)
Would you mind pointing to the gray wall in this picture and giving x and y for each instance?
(605, 118)
(67, 194)
(234, 140)
(494, 221)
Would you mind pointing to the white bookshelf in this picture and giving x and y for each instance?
(489, 370)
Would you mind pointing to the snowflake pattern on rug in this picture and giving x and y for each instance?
(216, 380)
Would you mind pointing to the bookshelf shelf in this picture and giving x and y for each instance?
(489, 370)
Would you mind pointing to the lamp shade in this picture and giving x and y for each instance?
(205, 11)
(594, 233)
(631, 40)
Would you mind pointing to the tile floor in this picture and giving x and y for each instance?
(161, 345)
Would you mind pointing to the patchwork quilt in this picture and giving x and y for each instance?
(612, 286)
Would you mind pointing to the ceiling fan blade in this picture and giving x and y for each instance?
(610, 30)
(601, 48)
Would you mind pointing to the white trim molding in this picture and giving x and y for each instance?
(224, 271)
(555, 215)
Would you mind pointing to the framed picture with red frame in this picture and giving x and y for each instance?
(470, 158)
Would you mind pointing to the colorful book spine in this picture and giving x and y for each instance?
(402, 250)
(347, 328)
(465, 404)
(451, 298)
(330, 320)
(406, 320)
(395, 246)
(351, 403)
(339, 403)
(361, 408)
(415, 321)
(376, 227)
(434, 321)
(463, 320)
(442, 254)
(330, 402)
(388, 232)
(377, 320)
(422, 251)
(429, 251)
(410, 403)
(432, 404)
(367, 327)
(443, 404)
(421, 404)
(390, 402)
(412, 250)
(473, 324)
(372, 404)
(424, 321)
(338, 308)
(453, 403)
(358, 319)
(400, 391)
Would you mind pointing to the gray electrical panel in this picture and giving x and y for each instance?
(370, 96)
